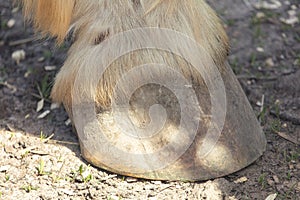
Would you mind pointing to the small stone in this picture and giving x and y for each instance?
(271, 196)
(11, 23)
(273, 5)
(269, 62)
(241, 180)
(293, 18)
(270, 182)
(260, 49)
(292, 12)
(131, 180)
(50, 68)
(284, 125)
(294, 7)
(260, 15)
(18, 55)
(40, 105)
(44, 114)
(41, 59)
(54, 106)
(156, 182)
(68, 122)
(258, 103)
(276, 179)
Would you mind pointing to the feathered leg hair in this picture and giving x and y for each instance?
(96, 20)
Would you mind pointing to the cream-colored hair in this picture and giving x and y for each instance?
(93, 21)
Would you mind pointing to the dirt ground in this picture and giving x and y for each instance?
(39, 153)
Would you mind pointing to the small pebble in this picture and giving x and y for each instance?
(50, 68)
(260, 15)
(272, 197)
(131, 180)
(54, 106)
(18, 55)
(11, 23)
(284, 125)
(270, 182)
(294, 7)
(260, 49)
(44, 114)
(40, 105)
(276, 179)
(41, 59)
(269, 62)
(68, 122)
(241, 180)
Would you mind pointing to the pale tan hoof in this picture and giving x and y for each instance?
(240, 143)
(164, 126)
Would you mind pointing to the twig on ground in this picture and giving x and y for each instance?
(287, 137)
(48, 138)
(262, 103)
(63, 142)
(167, 187)
(27, 150)
(40, 153)
(22, 41)
(287, 116)
(9, 86)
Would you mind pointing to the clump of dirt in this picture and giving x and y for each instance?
(39, 153)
